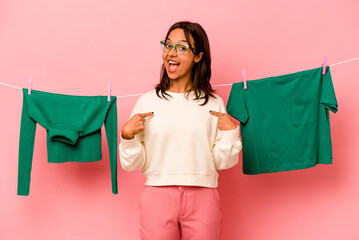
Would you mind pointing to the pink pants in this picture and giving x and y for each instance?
(180, 212)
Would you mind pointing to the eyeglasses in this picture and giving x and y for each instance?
(180, 48)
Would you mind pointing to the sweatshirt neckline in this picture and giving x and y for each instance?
(179, 94)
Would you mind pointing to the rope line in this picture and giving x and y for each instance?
(226, 84)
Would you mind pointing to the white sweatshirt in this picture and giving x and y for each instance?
(181, 143)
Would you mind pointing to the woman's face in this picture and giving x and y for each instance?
(179, 66)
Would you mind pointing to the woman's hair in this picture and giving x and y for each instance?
(201, 71)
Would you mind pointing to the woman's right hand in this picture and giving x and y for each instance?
(134, 125)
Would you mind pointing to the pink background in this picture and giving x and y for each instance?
(76, 47)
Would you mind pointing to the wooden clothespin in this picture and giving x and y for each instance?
(30, 84)
(244, 78)
(108, 91)
(324, 64)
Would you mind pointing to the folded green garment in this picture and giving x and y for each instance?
(73, 125)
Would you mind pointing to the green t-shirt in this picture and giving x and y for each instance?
(284, 120)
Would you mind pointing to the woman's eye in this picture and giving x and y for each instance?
(182, 48)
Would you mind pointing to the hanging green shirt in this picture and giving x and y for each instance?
(284, 120)
(73, 125)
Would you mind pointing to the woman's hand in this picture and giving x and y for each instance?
(134, 125)
(224, 122)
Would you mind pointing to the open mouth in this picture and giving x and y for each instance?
(172, 66)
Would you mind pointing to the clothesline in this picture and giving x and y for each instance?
(226, 84)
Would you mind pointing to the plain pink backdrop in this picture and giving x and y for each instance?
(76, 47)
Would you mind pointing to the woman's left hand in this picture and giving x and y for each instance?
(224, 122)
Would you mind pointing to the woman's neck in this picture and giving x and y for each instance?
(180, 86)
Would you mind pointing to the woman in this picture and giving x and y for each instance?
(180, 135)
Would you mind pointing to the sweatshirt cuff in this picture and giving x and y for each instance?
(230, 136)
(129, 143)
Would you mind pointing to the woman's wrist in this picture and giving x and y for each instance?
(127, 136)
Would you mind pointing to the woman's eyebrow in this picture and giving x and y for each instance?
(180, 41)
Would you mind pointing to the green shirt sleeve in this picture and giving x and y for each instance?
(236, 105)
(328, 95)
(26, 149)
(111, 134)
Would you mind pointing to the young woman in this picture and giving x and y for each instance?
(179, 134)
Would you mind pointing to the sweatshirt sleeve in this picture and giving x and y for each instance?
(132, 152)
(227, 145)
(111, 135)
(26, 149)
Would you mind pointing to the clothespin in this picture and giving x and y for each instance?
(30, 84)
(108, 91)
(324, 64)
(244, 78)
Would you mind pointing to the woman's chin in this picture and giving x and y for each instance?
(172, 76)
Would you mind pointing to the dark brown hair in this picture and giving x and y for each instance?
(201, 71)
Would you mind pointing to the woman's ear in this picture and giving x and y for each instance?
(198, 57)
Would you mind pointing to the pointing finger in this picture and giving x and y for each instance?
(146, 114)
(215, 113)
